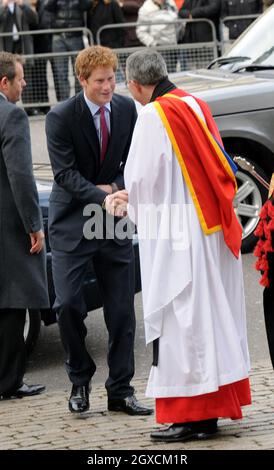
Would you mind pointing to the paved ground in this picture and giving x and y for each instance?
(43, 422)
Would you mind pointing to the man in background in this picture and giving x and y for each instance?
(23, 283)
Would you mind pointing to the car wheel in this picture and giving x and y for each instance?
(32, 329)
(247, 204)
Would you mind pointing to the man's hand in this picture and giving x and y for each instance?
(37, 241)
(105, 187)
(116, 204)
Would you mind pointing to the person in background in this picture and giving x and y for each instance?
(23, 281)
(88, 139)
(165, 34)
(195, 9)
(178, 176)
(68, 14)
(103, 13)
(17, 16)
(264, 251)
(267, 4)
(130, 10)
(42, 45)
(240, 8)
(106, 12)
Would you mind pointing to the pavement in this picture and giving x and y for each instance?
(43, 422)
(43, 171)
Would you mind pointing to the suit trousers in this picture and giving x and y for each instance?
(114, 268)
(268, 299)
(12, 349)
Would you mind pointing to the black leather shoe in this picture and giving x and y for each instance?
(29, 390)
(25, 391)
(129, 405)
(79, 399)
(186, 431)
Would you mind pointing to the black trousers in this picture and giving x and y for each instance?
(269, 307)
(114, 268)
(12, 349)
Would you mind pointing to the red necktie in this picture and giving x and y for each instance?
(104, 133)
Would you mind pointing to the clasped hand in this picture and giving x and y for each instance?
(116, 203)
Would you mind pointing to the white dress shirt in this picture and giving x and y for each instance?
(94, 109)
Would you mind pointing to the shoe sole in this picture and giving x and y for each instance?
(77, 411)
(29, 394)
(130, 413)
(13, 397)
(195, 436)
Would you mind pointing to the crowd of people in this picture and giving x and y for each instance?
(17, 16)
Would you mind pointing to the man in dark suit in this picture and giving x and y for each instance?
(22, 256)
(88, 141)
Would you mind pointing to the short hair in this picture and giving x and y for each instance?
(7, 64)
(146, 67)
(94, 56)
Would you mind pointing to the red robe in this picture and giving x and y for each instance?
(206, 171)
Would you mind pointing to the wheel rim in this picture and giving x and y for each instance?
(27, 326)
(247, 203)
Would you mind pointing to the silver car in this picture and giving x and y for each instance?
(239, 87)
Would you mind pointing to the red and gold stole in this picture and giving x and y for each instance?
(207, 173)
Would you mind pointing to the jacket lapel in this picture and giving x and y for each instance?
(88, 127)
(18, 15)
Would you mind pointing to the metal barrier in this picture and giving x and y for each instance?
(50, 76)
(178, 57)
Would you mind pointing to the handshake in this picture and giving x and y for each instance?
(116, 203)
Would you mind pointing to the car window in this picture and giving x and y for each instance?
(258, 41)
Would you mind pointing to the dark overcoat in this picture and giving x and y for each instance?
(26, 19)
(23, 281)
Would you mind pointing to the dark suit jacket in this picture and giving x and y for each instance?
(25, 18)
(200, 32)
(23, 281)
(74, 152)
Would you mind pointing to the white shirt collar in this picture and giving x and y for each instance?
(11, 7)
(93, 107)
(4, 96)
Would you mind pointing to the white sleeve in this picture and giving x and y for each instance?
(149, 155)
(143, 32)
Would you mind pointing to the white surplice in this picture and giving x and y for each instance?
(193, 293)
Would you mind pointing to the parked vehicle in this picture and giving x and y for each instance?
(239, 87)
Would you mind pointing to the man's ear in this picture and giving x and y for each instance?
(82, 80)
(4, 83)
(138, 86)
